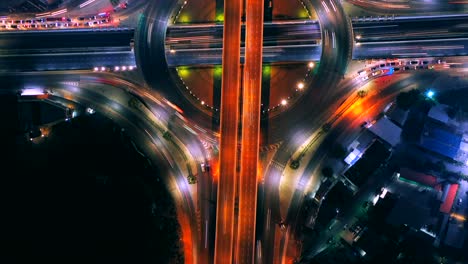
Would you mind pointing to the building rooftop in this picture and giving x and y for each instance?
(439, 113)
(441, 140)
(419, 178)
(451, 193)
(372, 159)
(387, 131)
(407, 212)
(455, 236)
(397, 115)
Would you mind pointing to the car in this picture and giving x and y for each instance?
(406, 68)
(425, 62)
(392, 63)
(376, 72)
(13, 26)
(382, 65)
(282, 225)
(373, 68)
(81, 18)
(414, 62)
(396, 69)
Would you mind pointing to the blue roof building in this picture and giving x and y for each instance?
(441, 140)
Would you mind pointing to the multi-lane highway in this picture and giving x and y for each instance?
(229, 120)
(65, 49)
(287, 41)
(306, 32)
(250, 140)
(399, 37)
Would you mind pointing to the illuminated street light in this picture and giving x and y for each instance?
(358, 37)
(311, 65)
(96, 69)
(116, 68)
(124, 68)
(172, 51)
(202, 102)
(130, 68)
(430, 94)
(284, 102)
(300, 85)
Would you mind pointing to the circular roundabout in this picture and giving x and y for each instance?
(313, 88)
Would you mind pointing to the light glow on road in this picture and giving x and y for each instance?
(86, 3)
(61, 11)
(458, 217)
(32, 91)
(384, 193)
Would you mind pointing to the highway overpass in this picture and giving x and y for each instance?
(65, 49)
(284, 41)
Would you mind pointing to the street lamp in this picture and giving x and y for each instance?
(430, 94)
(311, 65)
(284, 102)
(300, 85)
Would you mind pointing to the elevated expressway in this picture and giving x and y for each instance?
(300, 41)
(286, 41)
(225, 236)
(65, 49)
